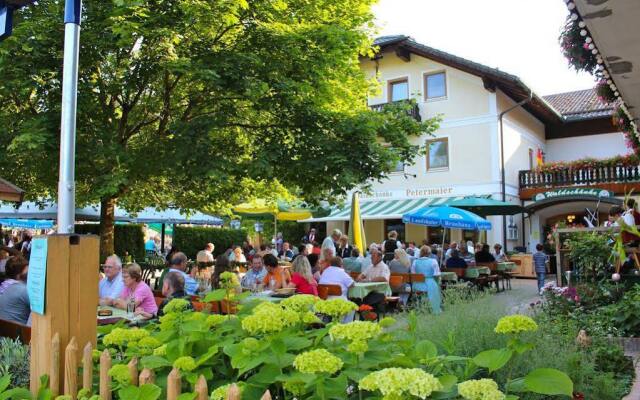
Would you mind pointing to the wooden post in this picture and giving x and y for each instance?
(71, 369)
(233, 393)
(146, 376)
(174, 385)
(54, 363)
(105, 379)
(87, 368)
(133, 371)
(559, 260)
(201, 389)
(71, 300)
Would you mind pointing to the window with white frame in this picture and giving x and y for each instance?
(435, 85)
(398, 89)
(437, 154)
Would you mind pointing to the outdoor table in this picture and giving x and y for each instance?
(484, 270)
(360, 289)
(448, 276)
(264, 296)
(507, 266)
(116, 315)
(472, 273)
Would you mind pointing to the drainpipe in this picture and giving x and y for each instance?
(502, 172)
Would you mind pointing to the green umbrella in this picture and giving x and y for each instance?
(486, 206)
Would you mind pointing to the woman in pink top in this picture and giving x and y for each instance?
(134, 287)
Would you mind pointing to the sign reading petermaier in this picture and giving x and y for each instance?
(568, 192)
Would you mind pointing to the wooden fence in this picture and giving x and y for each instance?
(138, 377)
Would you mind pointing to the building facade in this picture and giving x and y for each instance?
(464, 157)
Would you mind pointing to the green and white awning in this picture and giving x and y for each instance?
(383, 209)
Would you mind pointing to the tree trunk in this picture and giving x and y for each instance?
(107, 227)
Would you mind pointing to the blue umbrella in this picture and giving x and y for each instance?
(27, 223)
(446, 217)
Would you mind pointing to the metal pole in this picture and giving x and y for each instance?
(66, 182)
(162, 234)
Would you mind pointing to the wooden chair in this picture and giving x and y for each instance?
(158, 300)
(15, 330)
(493, 277)
(324, 291)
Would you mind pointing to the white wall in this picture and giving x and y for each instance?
(596, 146)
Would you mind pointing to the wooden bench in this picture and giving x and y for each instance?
(493, 277)
(15, 330)
(324, 291)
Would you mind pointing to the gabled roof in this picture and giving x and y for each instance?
(493, 78)
(580, 105)
(10, 192)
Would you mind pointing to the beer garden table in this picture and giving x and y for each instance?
(360, 289)
(448, 276)
(506, 266)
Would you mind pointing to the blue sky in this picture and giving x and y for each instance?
(517, 36)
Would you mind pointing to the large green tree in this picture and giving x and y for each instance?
(199, 103)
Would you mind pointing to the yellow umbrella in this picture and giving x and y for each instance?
(355, 223)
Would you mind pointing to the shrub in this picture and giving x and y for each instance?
(14, 360)
(127, 237)
(190, 239)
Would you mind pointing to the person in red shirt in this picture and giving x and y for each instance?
(302, 277)
(631, 217)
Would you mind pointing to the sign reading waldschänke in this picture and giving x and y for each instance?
(593, 192)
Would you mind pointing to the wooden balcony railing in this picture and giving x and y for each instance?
(579, 176)
(413, 112)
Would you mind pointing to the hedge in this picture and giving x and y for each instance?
(129, 237)
(191, 240)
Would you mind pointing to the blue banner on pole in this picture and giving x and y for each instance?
(72, 11)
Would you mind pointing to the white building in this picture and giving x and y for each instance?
(464, 157)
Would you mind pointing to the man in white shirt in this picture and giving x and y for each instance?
(110, 287)
(377, 272)
(335, 275)
(330, 243)
(453, 246)
(206, 255)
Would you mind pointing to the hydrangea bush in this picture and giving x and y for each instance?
(284, 348)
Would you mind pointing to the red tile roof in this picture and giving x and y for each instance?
(579, 105)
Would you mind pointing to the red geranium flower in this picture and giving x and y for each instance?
(365, 307)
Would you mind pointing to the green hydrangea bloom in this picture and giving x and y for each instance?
(176, 306)
(516, 324)
(215, 319)
(269, 319)
(229, 281)
(185, 363)
(335, 308)
(168, 321)
(358, 347)
(310, 318)
(95, 355)
(398, 383)
(294, 387)
(148, 344)
(355, 331)
(120, 373)
(480, 389)
(160, 351)
(64, 397)
(300, 303)
(316, 361)
(124, 336)
(220, 393)
(250, 344)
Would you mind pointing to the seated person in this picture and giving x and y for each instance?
(455, 261)
(302, 278)
(468, 257)
(401, 263)
(277, 277)
(286, 254)
(484, 255)
(498, 254)
(335, 275)
(172, 288)
(206, 255)
(237, 256)
(137, 290)
(179, 264)
(14, 299)
(353, 263)
(378, 271)
(255, 275)
(111, 285)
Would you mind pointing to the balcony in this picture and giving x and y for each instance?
(619, 179)
(413, 112)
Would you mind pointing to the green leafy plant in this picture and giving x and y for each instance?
(190, 239)
(14, 360)
(590, 253)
